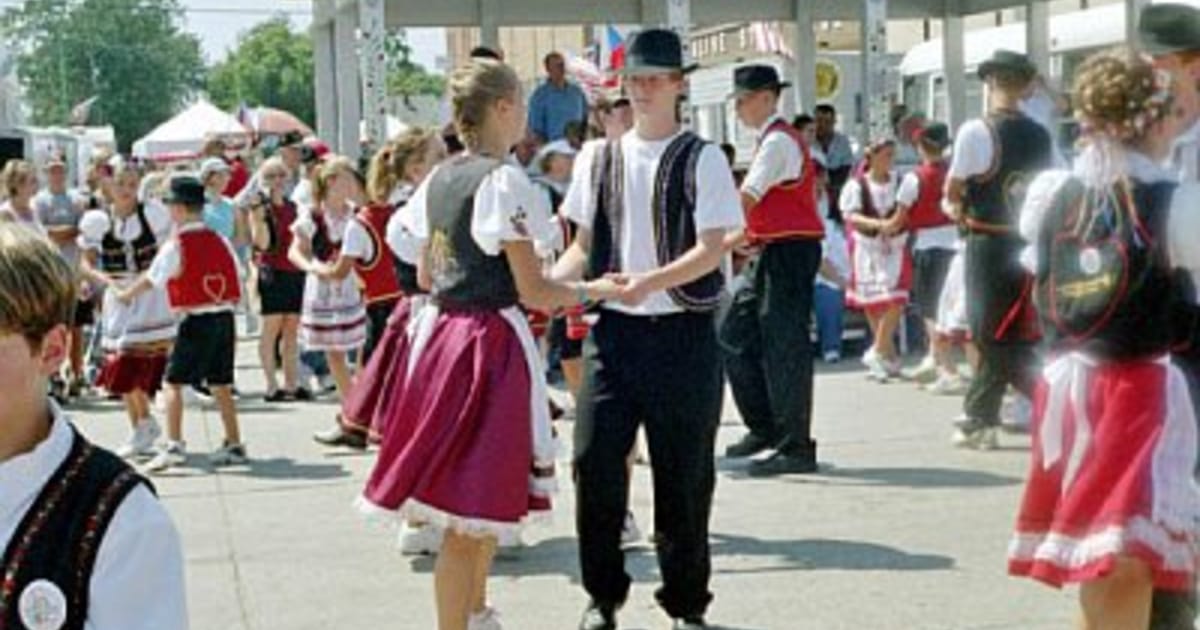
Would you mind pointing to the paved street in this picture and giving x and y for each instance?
(901, 531)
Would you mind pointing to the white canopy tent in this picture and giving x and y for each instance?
(183, 136)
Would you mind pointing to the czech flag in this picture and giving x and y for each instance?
(616, 54)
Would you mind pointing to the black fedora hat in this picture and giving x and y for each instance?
(935, 135)
(1007, 60)
(654, 51)
(756, 77)
(1169, 28)
(186, 190)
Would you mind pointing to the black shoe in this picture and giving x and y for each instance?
(689, 623)
(302, 394)
(749, 445)
(338, 436)
(599, 617)
(784, 463)
(279, 395)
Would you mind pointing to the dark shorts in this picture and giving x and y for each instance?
(85, 313)
(377, 318)
(930, 267)
(568, 348)
(203, 352)
(280, 292)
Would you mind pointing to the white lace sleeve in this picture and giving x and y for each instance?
(508, 207)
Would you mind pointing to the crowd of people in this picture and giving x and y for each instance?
(435, 283)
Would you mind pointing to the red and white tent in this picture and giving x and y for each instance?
(183, 136)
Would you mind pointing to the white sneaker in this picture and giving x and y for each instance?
(923, 372)
(170, 455)
(193, 398)
(947, 385)
(487, 619)
(833, 356)
(141, 439)
(869, 356)
(229, 455)
(876, 369)
(420, 540)
(980, 439)
(630, 533)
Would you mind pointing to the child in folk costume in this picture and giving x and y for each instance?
(332, 319)
(85, 542)
(919, 202)
(198, 269)
(388, 275)
(1110, 502)
(118, 245)
(879, 261)
(280, 282)
(467, 443)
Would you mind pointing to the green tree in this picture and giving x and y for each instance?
(129, 54)
(271, 66)
(406, 77)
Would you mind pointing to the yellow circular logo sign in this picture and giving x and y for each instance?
(829, 79)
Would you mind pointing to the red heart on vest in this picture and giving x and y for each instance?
(214, 286)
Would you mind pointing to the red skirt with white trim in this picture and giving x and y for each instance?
(128, 371)
(880, 272)
(1073, 526)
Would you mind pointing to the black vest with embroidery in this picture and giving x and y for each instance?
(673, 206)
(117, 255)
(1104, 284)
(464, 276)
(1020, 150)
(58, 538)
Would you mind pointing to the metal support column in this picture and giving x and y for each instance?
(1037, 34)
(325, 79)
(373, 66)
(349, 91)
(489, 26)
(954, 70)
(876, 109)
(1133, 11)
(805, 66)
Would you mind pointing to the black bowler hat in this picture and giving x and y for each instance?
(1169, 28)
(1007, 60)
(654, 51)
(756, 77)
(935, 135)
(291, 138)
(186, 190)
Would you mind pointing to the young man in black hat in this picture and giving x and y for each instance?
(765, 340)
(653, 207)
(994, 160)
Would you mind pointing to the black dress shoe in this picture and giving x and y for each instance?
(750, 444)
(784, 463)
(689, 623)
(599, 617)
(302, 394)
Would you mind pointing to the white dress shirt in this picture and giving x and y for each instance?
(777, 159)
(137, 582)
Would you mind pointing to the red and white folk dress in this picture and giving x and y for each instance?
(880, 266)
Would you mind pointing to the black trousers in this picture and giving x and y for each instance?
(663, 372)
(766, 346)
(1000, 365)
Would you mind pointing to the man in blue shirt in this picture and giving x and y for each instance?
(555, 102)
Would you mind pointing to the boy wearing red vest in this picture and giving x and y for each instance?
(765, 340)
(199, 269)
(935, 241)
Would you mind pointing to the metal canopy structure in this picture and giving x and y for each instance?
(347, 40)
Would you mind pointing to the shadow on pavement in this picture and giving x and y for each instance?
(822, 554)
(922, 477)
(285, 468)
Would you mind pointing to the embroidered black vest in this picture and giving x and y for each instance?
(116, 255)
(58, 538)
(1104, 283)
(673, 205)
(1020, 150)
(464, 276)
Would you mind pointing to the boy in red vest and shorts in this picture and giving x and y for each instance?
(199, 269)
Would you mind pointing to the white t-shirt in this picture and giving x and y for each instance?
(508, 208)
(1183, 224)
(835, 252)
(777, 159)
(973, 150)
(168, 262)
(718, 206)
(883, 196)
(944, 237)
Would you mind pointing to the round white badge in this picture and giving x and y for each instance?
(42, 606)
(1089, 261)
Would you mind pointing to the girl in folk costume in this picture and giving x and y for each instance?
(332, 318)
(280, 282)
(386, 268)
(20, 185)
(467, 443)
(879, 262)
(1110, 502)
(118, 245)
